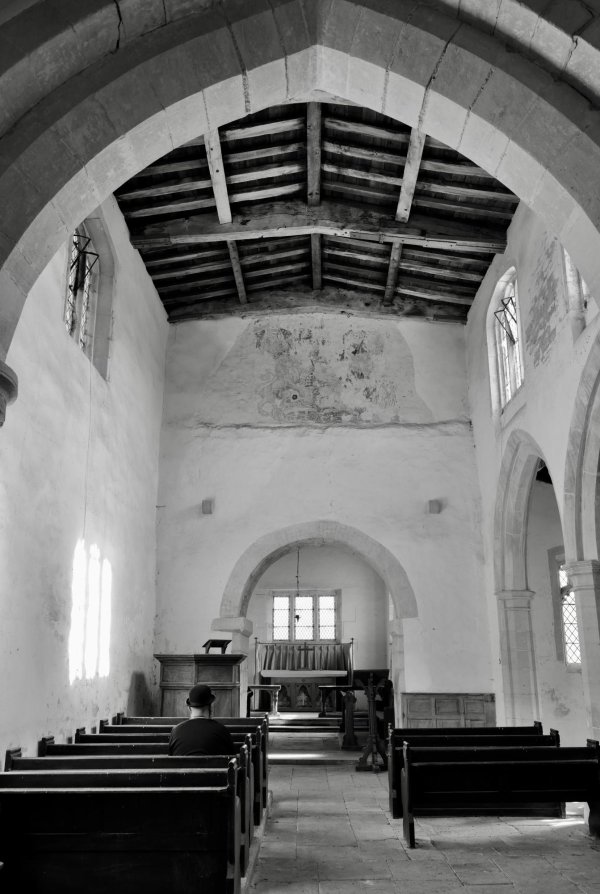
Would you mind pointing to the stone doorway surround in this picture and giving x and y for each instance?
(95, 93)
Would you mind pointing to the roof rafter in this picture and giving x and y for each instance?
(217, 175)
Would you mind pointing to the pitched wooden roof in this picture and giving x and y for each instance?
(307, 204)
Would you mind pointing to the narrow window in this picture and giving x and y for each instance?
(570, 629)
(508, 343)
(80, 300)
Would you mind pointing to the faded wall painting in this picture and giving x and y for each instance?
(308, 369)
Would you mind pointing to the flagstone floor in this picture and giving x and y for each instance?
(330, 832)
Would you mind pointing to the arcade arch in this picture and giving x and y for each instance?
(131, 107)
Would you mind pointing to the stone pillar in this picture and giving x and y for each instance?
(517, 657)
(8, 389)
(240, 630)
(584, 578)
(396, 662)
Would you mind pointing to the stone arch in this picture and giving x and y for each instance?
(267, 549)
(515, 481)
(581, 491)
(155, 84)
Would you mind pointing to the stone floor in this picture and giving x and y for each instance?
(330, 832)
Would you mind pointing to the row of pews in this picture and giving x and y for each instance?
(489, 771)
(113, 808)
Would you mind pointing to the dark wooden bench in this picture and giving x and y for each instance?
(490, 781)
(144, 726)
(149, 743)
(127, 830)
(468, 737)
(16, 763)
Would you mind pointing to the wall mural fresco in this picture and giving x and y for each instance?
(311, 370)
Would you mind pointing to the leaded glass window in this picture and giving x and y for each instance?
(569, 620)
(508, 346)
(82, 275)
(305, 615)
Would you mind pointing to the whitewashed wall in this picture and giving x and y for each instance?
(543, 409)
(293, 418)
(78, 459)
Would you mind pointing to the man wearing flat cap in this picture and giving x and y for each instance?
(201, 734)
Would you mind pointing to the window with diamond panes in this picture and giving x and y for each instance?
(569, 620)
(326, 617)
(281, 617)
(301, 616)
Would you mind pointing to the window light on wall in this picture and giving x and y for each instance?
(91, 596)
(508, 341)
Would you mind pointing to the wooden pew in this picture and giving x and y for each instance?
(157, 743)
(234, 725)
(151, 831)
(490, 781)
(453, 736)
(15, 763)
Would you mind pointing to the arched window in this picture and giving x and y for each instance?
(570, 630)
(89, 290)
(507, 339)
(80, 299)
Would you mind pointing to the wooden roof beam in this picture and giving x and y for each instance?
(217, 175)
(392, 277)
(237, 271)
(313, 153)
(315, 248)
(411, 173)
(285, 219)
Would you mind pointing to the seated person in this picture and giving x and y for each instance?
(201, 734)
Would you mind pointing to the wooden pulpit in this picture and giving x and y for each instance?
(178, 673)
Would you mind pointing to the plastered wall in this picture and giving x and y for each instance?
(286, 420)
(543, 409)
(79, 460)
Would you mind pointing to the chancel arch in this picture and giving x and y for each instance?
(451, 85)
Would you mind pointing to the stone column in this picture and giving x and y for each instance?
(584, 578)
(8, 388)
(240, 630)
(397, 672)
(517, 657)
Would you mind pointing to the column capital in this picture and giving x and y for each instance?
(515, 598)
(9, 388)
(233, 625)
(396, 627)
(584, 575)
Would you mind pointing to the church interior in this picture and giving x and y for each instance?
(300, 343)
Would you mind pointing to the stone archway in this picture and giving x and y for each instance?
(271, 547)
(517, 653)
(581, 491)
(124, 88)
(267, 549)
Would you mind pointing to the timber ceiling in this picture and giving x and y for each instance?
(316, 204)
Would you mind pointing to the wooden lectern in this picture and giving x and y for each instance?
(178, 673)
